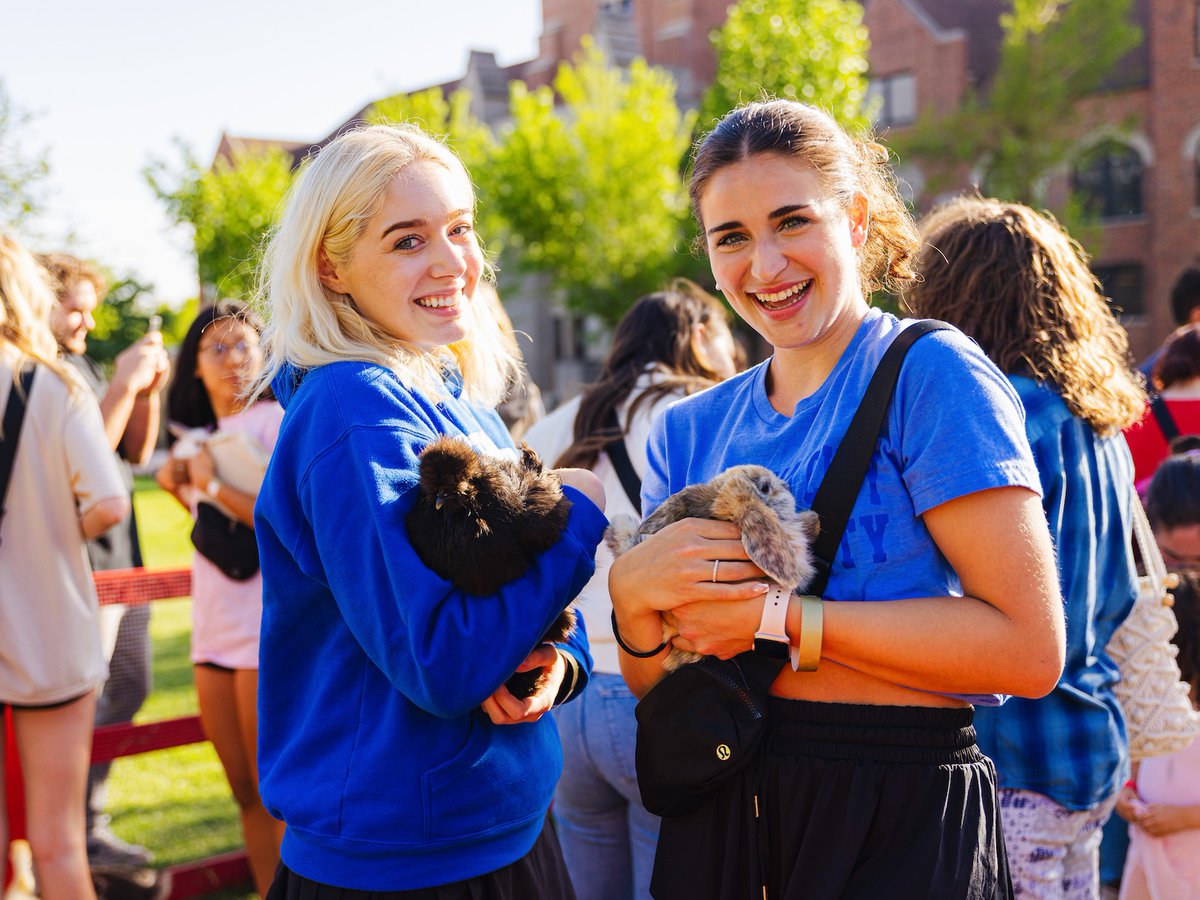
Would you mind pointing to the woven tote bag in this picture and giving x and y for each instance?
(1158, 712)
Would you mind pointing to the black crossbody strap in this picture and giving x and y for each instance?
(14, 416)
(843, 479)
(619, 456)
(1162, 415)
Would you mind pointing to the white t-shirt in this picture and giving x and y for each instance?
(49, 637)
(552, 435)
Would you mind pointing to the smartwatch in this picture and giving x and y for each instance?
(771, 639)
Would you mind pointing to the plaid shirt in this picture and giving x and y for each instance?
(1071, 745)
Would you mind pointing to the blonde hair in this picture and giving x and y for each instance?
(846, 166)
(25, 303)
(1017, 283)
(326, 211)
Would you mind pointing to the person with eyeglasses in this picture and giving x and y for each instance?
(1161, 801)
(218, 358)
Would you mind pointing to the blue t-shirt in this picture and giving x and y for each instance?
(1071, 744)
(955, 426)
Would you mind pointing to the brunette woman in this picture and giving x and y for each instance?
(869, 782)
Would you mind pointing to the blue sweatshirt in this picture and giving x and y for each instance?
(372, 745)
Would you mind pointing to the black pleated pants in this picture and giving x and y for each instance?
(846, 801)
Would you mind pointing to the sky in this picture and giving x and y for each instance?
(111, 86)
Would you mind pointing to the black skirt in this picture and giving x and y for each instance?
(853, 802)
(540, 873)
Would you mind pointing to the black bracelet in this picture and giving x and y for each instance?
(635, 653)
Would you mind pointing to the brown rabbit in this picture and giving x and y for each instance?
(777, 537)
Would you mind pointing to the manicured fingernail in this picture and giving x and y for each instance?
(761, 588)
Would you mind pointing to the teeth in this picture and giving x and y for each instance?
(782, 295)
(438, 302)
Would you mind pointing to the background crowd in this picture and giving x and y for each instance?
(330, 660)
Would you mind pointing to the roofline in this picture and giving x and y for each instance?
(940, 34)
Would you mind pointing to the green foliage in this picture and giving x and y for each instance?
(591, 192)
(124, 316)
(809, 50)
(452, 120)
(1055, 53)
(229, 206)
(20, 173)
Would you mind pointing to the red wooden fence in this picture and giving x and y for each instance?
(190, 879)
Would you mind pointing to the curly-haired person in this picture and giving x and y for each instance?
(1016, 282)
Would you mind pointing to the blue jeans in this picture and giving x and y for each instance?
(607, 837)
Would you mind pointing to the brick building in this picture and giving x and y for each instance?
(1145, 183)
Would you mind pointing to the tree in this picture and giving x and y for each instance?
(591, 191)
(124, 316)
(810, 50)
(451, 119)
(230, 207)
(1055, 53)
(21, 173)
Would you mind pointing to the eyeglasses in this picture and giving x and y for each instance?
(220, 350)
(1179, 561)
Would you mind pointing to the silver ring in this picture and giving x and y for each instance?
(716, 562)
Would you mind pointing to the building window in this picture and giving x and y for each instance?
(1122, 285)
(1196, 31)
(894, 98)
(1196, 178)
(1108, 180)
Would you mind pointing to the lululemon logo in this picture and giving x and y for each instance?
(723, 752)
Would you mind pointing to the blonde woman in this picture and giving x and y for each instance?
(387, 741)
(64, 489)
(1015, 281)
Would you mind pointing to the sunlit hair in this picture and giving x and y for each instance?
(846, 166)
(66, 271)
(1017, 283)
(308, 325)
(25, 303)
(188, 403)
(1180, 358)
(656, 334)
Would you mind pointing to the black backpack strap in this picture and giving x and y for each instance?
(1163, 416)
(14, 416)
(618, 454)
(843, 479)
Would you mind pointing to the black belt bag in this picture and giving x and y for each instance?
(225, 542)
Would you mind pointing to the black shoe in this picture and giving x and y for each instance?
(106, 850)
(140, 884)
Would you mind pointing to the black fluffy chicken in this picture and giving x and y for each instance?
(480, 521)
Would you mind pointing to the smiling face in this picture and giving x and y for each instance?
(71, 318)
(417, 262)
(783, 249)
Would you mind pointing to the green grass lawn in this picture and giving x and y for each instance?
(175, 802)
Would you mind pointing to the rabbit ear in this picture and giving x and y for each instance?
(768, 547)
(810, 523)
